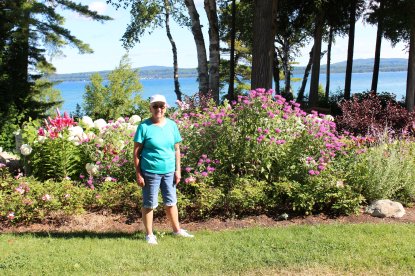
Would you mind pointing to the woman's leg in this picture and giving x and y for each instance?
(147, 215)
(173, 215)
(168, 191)
(150, 195)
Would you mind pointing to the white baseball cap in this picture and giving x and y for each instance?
(157, 98)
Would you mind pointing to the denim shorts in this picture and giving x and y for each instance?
(154, 182)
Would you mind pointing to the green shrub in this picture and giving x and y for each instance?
(385, 171)
(247, 197)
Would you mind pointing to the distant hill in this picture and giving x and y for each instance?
(164, 72)
(362, 66)
(147, 72)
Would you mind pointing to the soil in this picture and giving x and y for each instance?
(105, 223)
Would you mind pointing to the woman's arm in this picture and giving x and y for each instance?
(137, 151)
(178, 170)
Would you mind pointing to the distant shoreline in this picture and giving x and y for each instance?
(164, 72)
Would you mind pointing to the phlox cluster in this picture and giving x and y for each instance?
(256, 131)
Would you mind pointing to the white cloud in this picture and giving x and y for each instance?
(99, 7)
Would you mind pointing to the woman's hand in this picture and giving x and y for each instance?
(140, 179)
(177, 177)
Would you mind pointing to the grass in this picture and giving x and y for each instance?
(338, 249)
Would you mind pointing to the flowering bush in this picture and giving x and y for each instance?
(26, 199)
(91, 151)
(260, 135)
(267, 139)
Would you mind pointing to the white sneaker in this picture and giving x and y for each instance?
(183, 233)
(151, 239)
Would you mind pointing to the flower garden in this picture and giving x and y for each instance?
(258, 155)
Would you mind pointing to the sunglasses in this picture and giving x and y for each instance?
(159, 106)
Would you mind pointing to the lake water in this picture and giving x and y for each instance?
(393, 82)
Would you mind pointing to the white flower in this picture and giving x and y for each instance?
(41, 139)
(329, 118)
(87, 121)
(119, 144)
(134, 119)
(99, 141)
(17, 132)
(121, 120)
(100, 124)
(1, 149)
(76, 131)
(25, 149)
(92, 169)
(46, 197)
(10, 215)
(91, 135)
(108, 179)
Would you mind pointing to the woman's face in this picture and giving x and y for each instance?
(158, 109)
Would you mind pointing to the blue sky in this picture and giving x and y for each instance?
(155, 49)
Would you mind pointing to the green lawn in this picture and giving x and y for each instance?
(376, 249)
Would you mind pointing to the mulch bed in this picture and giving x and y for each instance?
(105, 223)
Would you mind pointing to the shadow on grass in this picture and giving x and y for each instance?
(83, 235)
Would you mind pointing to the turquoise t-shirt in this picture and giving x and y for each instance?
(158, 142)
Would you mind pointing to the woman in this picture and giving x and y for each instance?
(157, 163)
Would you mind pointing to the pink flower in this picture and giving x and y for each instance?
(46, 197)
(20, 190)
(204, 174)
(10, 215)
(188, 169)
(190, 180)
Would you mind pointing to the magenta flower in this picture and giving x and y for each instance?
(204, 174)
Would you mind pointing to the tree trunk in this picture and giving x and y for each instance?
(263, 43)
(214, 53)
(376, 63)
(350, 50)
(231, 89)
(410, 83)
(286, 66)
(202, 68)
(18, 62)
(315, 71)
(276, 73)
(329, 44)
(300, 96)
(174, 49)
